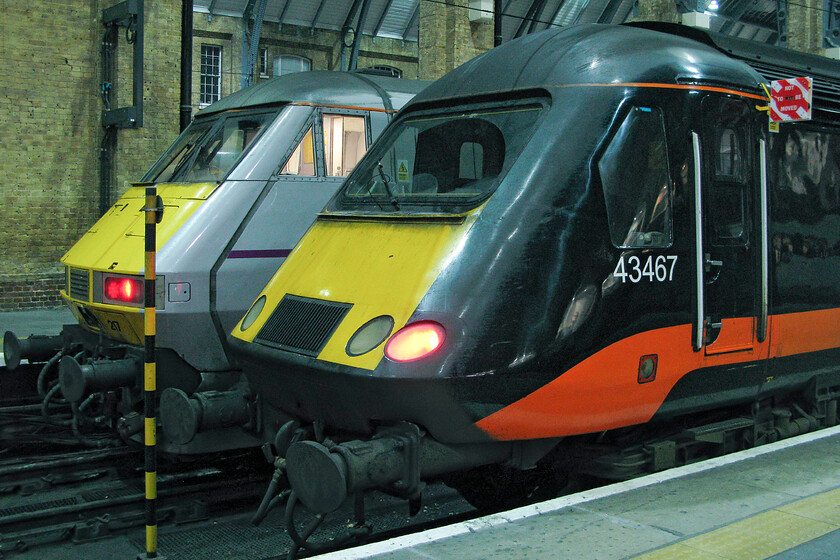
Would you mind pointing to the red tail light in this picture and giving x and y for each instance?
(123, 290)
(415, 341)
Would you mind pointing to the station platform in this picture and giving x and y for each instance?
(39, 322)
(779, 501)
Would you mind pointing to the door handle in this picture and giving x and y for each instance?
(712, 330)
(712, 325)
(709, 262)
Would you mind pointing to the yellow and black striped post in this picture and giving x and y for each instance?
(150, 371)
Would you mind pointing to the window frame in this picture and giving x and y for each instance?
(342, 203)
(263, 68)
(216, 122)
(207, 79)
(621, 116)
(278, 63)
(718, 183)
(316, 123)
(365, 115)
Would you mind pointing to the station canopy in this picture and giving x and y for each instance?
(747, 19)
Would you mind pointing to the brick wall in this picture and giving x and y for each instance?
(448, 38)
(139, 148)
(31, 291)
(657, 10)
(321, 46)
(50, 117)
(50, 108)
(805, 26)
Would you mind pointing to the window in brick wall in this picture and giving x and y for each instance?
(386, 70)
(265, 67)
(211, 74)
(288, 63)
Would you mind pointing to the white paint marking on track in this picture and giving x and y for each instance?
(550, 506)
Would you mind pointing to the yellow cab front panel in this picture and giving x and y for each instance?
(115, 245)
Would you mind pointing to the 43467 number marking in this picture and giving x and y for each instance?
(659, 268)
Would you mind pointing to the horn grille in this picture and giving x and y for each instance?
(302, 325)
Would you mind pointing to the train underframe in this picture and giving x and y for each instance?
(101, 383)
(320, 470)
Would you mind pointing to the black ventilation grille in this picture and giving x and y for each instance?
(302, 325)
(826, 92)
(79, 284)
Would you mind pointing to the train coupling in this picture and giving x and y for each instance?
(79, 380)
(183, 416)
(324, 475)
(35, 348)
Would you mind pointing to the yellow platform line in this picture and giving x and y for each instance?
(762, 535)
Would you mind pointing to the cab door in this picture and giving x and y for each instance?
(728, 252)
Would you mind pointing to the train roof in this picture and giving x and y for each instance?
(627, 54)
(773, 63)
(323, 88)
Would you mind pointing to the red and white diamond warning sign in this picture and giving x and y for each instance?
(790, 100)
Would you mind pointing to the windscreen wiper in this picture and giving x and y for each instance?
(387, 185)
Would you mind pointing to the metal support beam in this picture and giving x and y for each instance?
(283, 13)
(529, 18)
(381, 19)
(609, 12)
(186, 62)
(781, 22)
(127, 14)
(346, 30)
(411, 21)
(210, 9)
(357, 36)
(251, 38)
(537, 14)
(245, 78)
(556, 13)
(832, 23)
(497, 23)
(317, 15)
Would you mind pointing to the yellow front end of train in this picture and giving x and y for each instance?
(381, 268)
(104, 269)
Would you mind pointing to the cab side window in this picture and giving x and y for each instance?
(302, 160)
(727, 204)
(345, 143)
(637, 184)
(331, 147)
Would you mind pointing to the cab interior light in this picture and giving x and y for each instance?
(415, 341)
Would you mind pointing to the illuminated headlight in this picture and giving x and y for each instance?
(252, 314)
(370, 335)
(123, 290)
(415, 341)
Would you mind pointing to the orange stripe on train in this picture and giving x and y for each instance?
(603, 391)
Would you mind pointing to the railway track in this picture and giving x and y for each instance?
(61, 501)
(77, 493)
(32, 420)
(96, 493)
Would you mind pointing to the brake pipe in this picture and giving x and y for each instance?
(151, 210)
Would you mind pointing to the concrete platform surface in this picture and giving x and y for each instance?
(779, 501)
